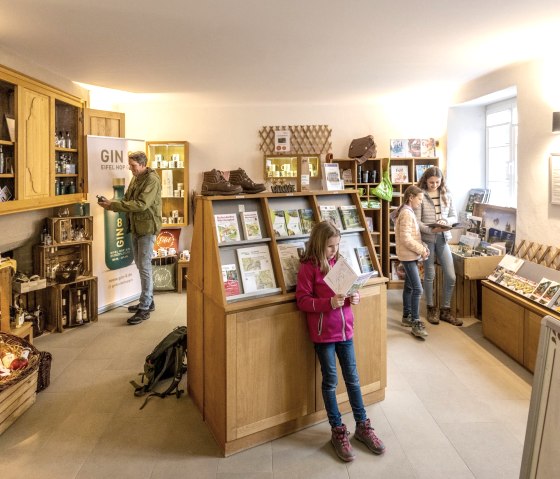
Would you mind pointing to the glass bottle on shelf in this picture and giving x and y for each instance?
(68, 140)
(79, 317)
(61, 142)
(71, 188)
(84, 308)
(118, 243)
(2, 163)
(64, 316)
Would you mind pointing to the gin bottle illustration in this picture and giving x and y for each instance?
(118, 243)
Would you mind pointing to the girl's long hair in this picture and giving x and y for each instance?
(411, 191)
(435, 171)
(316, 247)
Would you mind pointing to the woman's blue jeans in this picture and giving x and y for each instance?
(412, 290)
(440, 250)
(327, 353)
(142, 247)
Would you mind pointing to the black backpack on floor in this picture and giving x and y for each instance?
(167, 360)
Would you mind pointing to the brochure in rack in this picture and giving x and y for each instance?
(256, 270)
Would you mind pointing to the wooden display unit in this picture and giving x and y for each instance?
(25, 331)
(389, 252)
(280, 169)
(244, 350)
(171, 161)
(32, 172)
(355, 179)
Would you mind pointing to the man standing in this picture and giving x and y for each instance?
(142, 204)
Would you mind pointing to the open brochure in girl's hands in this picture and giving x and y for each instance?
(342, 278)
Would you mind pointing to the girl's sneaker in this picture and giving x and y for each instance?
(341, 443)
(364, 433)
(407, 320)
(419, 330)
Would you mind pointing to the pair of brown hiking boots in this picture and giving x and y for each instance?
(215, 183)
(436, 315)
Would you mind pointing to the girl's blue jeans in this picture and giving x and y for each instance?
(412, 290)
(441, 250)
(327, 353)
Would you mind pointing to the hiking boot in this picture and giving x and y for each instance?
(214, 183)
(341, 443)
(139, 316)
(135, 307)
(239, 177)
(433, 315)
(407, 321)
(445, 315)
(364, 433)
(419, 330)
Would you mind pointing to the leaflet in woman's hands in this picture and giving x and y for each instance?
(444, 226)
(342, 279)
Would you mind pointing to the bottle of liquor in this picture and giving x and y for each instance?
(79, 318)
(22, 361)
(71, 188)
(2, 163)
(68, 140)
(64, 316)
(118, 243)
(44, 232)
(61, 142)
(84, 308)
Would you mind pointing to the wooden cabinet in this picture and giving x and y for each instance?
(32, 178)
(412, 168)
(244, 349)
(171, 161)
(512, 322)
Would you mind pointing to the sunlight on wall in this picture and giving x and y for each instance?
(551, 83)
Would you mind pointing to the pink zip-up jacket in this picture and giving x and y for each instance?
(313, 296)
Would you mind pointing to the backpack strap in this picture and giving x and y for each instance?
(179, 370)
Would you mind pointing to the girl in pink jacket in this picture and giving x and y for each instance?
(410, 249)
(331, 327)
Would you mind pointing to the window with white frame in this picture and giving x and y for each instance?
(501, 152)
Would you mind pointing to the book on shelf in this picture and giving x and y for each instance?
(399, 148)
(330, 213)
(230, 278)
(476, 195)
(293, 224)
(543, 285)
(331, 177)
(369, 223)
(420, 169)
(250, 224)
(347, 176)
(364, 260)
(415, 147)
(306, 219)
(399, 173)
(555, 303)
(227, 227)
(289, 253)
(279, 223)
(349, 216)
(549, 295)
(255, 268)
(342, 278)
(427, 147)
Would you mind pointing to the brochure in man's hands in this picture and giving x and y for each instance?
(342, 279)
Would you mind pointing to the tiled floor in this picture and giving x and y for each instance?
(455, 407)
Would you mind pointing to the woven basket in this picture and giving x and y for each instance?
(16, 344)
(44, 377)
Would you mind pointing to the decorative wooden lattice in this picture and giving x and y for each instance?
(548, 256)
(305, 139)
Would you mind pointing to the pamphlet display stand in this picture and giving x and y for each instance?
(252, 369)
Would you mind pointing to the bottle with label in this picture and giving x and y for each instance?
(118, 243)
(2, 163)
(68, 140)
(71, 188)
(61, 142)
(84, 308)
(79, 317)
(64, 316)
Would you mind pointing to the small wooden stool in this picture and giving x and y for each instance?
(182, 267)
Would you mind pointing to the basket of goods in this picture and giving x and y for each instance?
(69, 271)
(18, 360)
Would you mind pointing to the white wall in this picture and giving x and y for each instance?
(226, 137)
(538, 95)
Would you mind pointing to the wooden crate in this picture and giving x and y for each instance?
(17, 399)
(61, 228)
(62, 254)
